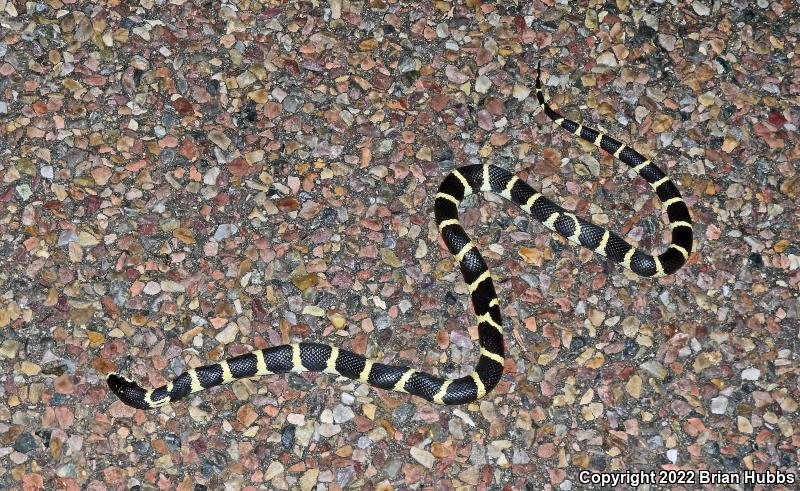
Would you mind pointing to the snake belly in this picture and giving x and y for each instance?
(460, 183)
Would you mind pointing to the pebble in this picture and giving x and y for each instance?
(173, 441)
(701, 8)
(342, 414)
(219, 139)
(67, 470)
(672, 455)
(751, 374)
(719, 405)
(392, 466)
(755, 260)
(211, 175)
(287, 436)
(667, 41)
(454, 75)
(152, 288)
(24, 191)
(465, 417)
(634, 386)
(309, 479)
(66, 237)
(423, 457)
(30, 368)
(224, 231)
(167, 155)
(274, 469)
(630, 348)
(228, 334)
(296, 419)
(259, 96)
(731, 462)
(520, 92)
(404, 413)
(407, 65)
(9, 349)
(170, 286)
(655, 369)
(314, 310)
(607, 58)
(744, 425)
(25, 443)
(328, 430)
(482, 84)
(292, 103)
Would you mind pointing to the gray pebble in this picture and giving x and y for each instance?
(299, 383)
(407, 65)
(292, 103)
(167, 155)
(287, 436)
(67, 470)
(25, 443)
(66, 237)
(392, 467)
(404, 412)
(342, 414)
(75, 156)
(173, 441)
(225, 230)
(630, 349)
(344, 476)
(655, 443)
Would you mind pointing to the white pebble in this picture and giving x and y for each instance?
(24, 191)
(152, 288)
(225, 230)
(210, 176)
(701, 8)
(464, 417)
(719, 405)
(296, 419)
(751, 374)
(327, 430)
(228, 335)
(521, 92)
(607, 59)
(172, 286)
(482, 84)
(672, 455)
(273, 470)
(342, 414)
(423, 457)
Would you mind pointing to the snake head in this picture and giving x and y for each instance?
(128, 391)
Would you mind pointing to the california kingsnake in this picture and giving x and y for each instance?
(301, 357)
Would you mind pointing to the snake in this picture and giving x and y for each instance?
(460, 183)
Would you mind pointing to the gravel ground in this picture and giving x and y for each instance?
(183, 181)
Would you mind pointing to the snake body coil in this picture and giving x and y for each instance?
(302, 357)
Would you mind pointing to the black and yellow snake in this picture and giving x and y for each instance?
(302, 357)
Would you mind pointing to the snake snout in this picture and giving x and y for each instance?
(128, 391)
